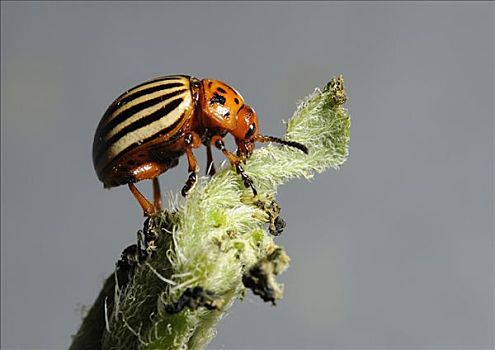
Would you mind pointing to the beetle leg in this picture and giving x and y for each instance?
(191, 140)
(234, 161)
(157, 196)
(193, 170)
(146, 171)
(210, 166)
(148, 208)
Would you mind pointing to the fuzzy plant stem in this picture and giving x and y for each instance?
(207, 249)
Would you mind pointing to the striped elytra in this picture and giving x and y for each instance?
(136, 120)
(145, 131)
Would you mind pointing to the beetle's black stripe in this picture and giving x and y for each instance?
(140, 123)
(117, 103)
(135, 109)
(130, 96)
(146, 140)
(132, 93)
(164, 78)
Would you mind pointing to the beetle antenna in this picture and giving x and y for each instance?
(294, 144)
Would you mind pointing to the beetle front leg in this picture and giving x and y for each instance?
(191, 140)
(234, 161)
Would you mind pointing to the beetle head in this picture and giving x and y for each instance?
(245, 131)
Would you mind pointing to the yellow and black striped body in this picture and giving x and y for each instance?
(148, 128)
(145, 125)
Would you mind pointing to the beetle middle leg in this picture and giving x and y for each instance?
(191, 140)
(234, 161)
(210, 166)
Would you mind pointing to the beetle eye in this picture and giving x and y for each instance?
(251, 131)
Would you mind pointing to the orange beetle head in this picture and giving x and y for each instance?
(247, 124)
(246, 131)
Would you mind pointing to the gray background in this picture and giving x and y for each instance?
(395, 250)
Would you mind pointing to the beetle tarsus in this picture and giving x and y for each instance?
(210, 166)
(246, 179)
(149, 235)
(190, 183)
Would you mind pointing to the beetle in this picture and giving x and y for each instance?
(145, 131)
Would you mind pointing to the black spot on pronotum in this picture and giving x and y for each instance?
(209, 84)
(217, 99)
(220, 90)
(236, 100)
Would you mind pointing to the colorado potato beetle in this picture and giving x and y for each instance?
(146, 129)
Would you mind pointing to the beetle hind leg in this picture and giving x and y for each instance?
(157, 195)
(148, 208)
(147, 171)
